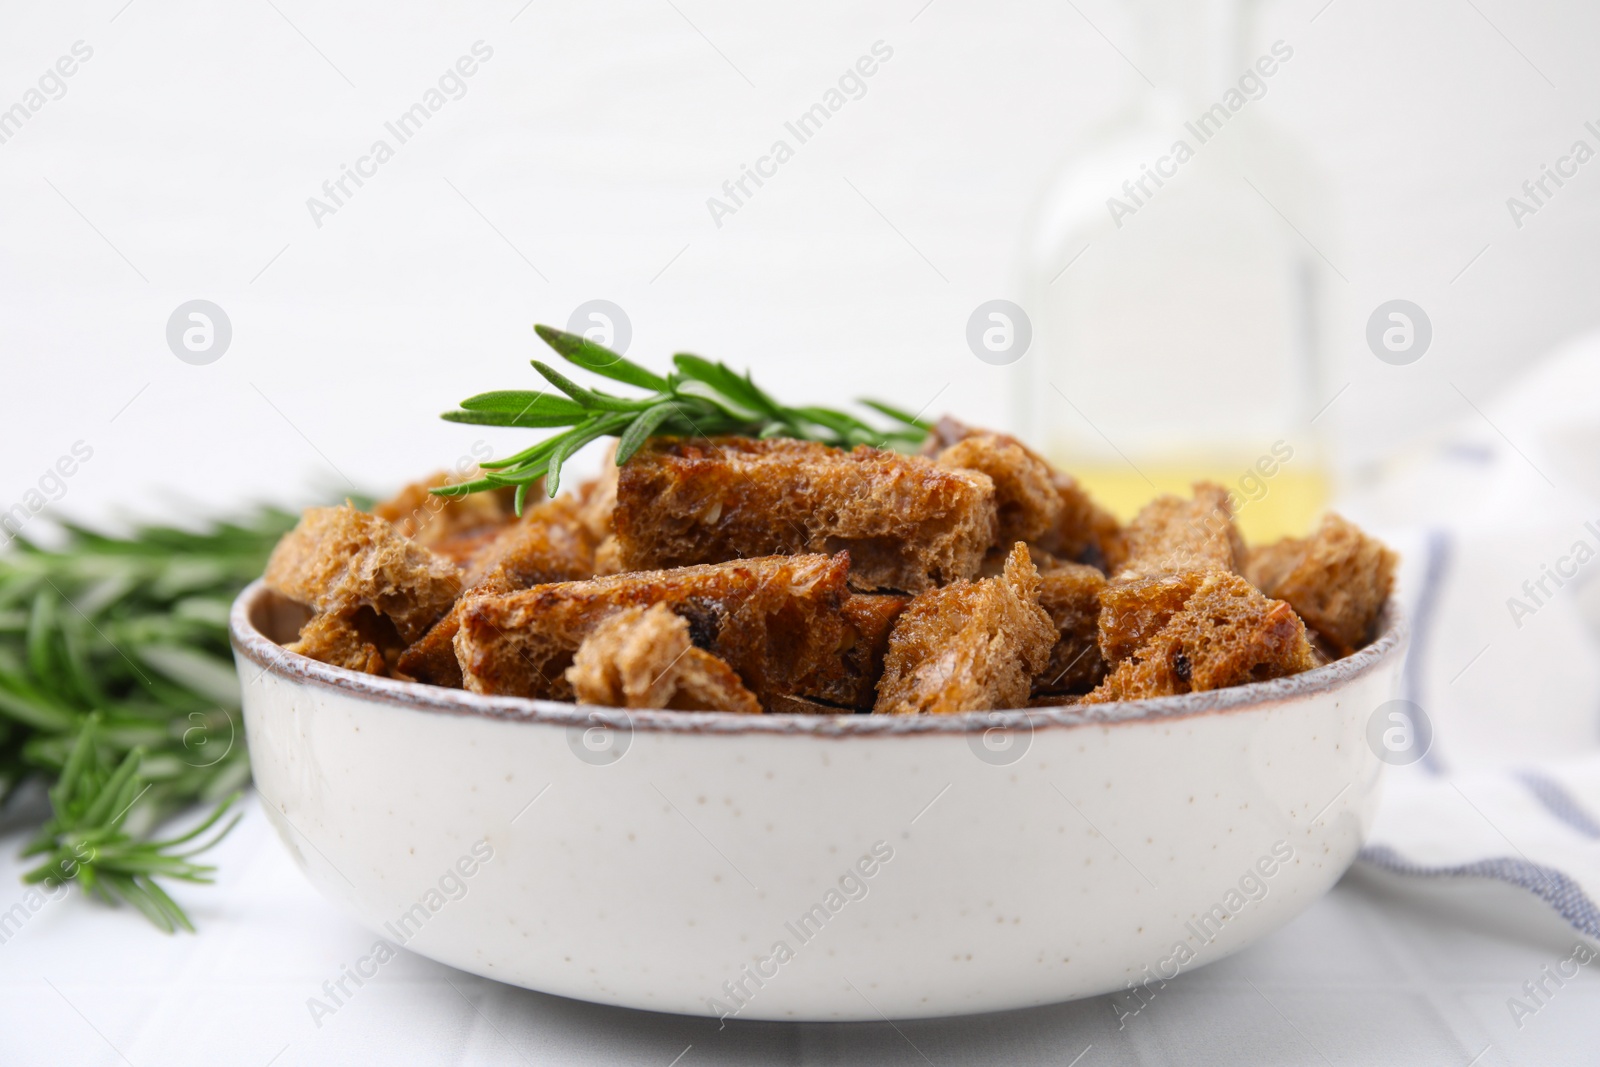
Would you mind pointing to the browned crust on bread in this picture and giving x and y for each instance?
(1338, 579)
(970, 646)
(1173, 534)
(550, 544)
(1036, 503)
(1226, 634)
(339, 559)
(1070, 595)
(597, 499)
(1087, 532)
(349, 641)
(1027, 504)
(1171, 546)
(849, 678)
(1266, 566)
(458, 527)
(907, 523)
(608, 557)
(554, 606)
(642, 658)
(1133, 609)
(773, 619)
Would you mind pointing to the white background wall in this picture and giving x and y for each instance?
(178, 163)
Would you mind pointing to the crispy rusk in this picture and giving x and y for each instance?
(642, 658)
(775, 620)
(597, 499)
(969, 646)
(339, 559)
(849, 678)
(995, 560)
(432, 657)
(907, 523)
(1036, 503)
(1268, 565)
(1133, 609)
(608, 557)
(550, 544)
(1087, 532)
(1027, 503)
(1172, 545)
(1173, 534)
(1226, 634)
(459, 527)
(1070, 595)
(1338, 579)
(349, 641)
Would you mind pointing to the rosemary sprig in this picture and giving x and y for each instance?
(117, 688)
(86, 840)
(699, 398)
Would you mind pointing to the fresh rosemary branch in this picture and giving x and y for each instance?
(698, 398)
(86, 839)
(117, 688)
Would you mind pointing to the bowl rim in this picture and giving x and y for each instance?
(272, 658)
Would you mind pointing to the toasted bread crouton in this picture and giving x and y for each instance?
(642, 658)
(432, 657)
(1266, 566)
(907, 523)
(1028, 507)
(1070, 595)
(1171, 546)
(597, 499)
(969, 646)
(339, 559)
(869, 619)
(1226, 634)
(1172, 534)
(849, 678)
(1338, 579)
(349, 641)
(774, 620)
(550, 544)
(608, 557)
(994, 564)
(1086, 532)
(1059, 518)
(1132, 610)
(459, 527)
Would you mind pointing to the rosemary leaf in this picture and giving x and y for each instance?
(641, 428)
(523, 402)
(599, 360)
(700, 398)
(118, 692)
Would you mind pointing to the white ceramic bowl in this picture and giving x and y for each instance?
(812, 868)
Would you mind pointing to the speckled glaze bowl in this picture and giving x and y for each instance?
(812, 868)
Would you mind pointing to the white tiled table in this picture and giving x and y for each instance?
(1370, 975)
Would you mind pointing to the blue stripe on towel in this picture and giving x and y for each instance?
(1560, 803)
(1550, 885)
(1422, 617)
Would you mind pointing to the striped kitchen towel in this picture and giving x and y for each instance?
(1498, 521)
